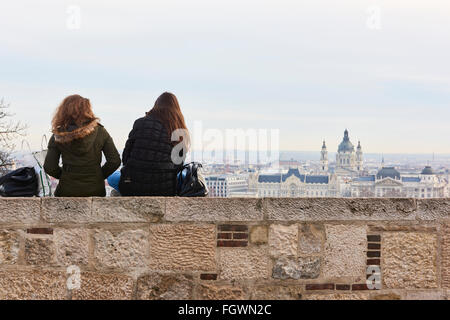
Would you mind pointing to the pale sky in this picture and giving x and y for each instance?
(308, 68)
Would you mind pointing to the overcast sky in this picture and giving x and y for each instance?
(308, 68)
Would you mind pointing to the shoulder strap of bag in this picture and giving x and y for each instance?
(42, 172)
(44, 146)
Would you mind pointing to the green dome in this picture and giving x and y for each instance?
(427, 170)
(346, 145)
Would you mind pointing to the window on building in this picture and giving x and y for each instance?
(293, 190)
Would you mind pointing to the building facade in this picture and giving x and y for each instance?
(388, 182)
(227, 185)
(294, 184)
(348, 178)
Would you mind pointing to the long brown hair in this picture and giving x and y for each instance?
(167, 110)
(73, 110)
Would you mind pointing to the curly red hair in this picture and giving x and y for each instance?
(73, 110)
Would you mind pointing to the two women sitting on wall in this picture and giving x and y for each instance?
(153, 154)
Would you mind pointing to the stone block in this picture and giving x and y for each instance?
(20, 210)
(331, 209)
(425, 295)
(445, 255)
(126, 209)
(338, 296)
(32, 285)
(409, 260)
(300, 268)
(9, 246)
(67, 210)
(121, 249)
(277, 292)
(39, 252)
(283, 240)
(243, 263)
(259, 235)
(345, 251)
(98, 286)
(310, 239)
(433, 209)
(214, 209)
(158, 286)
(183, 247)
(385, 296)
(72, 246)
(220, 292)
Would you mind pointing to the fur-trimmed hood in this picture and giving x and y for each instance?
(74, 132)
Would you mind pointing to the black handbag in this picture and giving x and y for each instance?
(190, 183)
(22, 182)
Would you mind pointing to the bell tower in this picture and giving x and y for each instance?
(359, 157)
(324, 158)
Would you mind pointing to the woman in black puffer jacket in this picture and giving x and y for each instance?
(155, 151)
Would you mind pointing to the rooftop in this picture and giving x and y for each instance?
(388, 172)
(279, 177)
(427, 170)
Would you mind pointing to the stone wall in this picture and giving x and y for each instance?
(179, 248)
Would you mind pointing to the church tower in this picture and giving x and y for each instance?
(324, 158)
(359, 157)
(346, 156)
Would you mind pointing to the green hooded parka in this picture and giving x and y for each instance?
(81, 148)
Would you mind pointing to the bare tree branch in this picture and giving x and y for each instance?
(9, 131)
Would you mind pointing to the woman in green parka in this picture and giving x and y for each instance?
(79, 139)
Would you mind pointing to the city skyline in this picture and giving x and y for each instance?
(306, 71)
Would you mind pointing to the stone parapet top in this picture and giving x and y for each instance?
(176, 209)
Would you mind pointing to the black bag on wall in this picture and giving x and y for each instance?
(22, 182)
(190, 182)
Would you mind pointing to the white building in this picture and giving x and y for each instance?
(388, 182)
(350, 179)
(227, 185)
(294, 184)
(349, 163)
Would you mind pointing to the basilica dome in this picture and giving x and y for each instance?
(346, 145)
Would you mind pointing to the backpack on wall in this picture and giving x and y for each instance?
(22, 182)
(190, 182)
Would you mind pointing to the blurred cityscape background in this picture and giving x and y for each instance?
(346, 172)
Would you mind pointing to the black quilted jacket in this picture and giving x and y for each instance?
(147, 166)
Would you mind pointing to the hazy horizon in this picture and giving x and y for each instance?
(310, 69)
